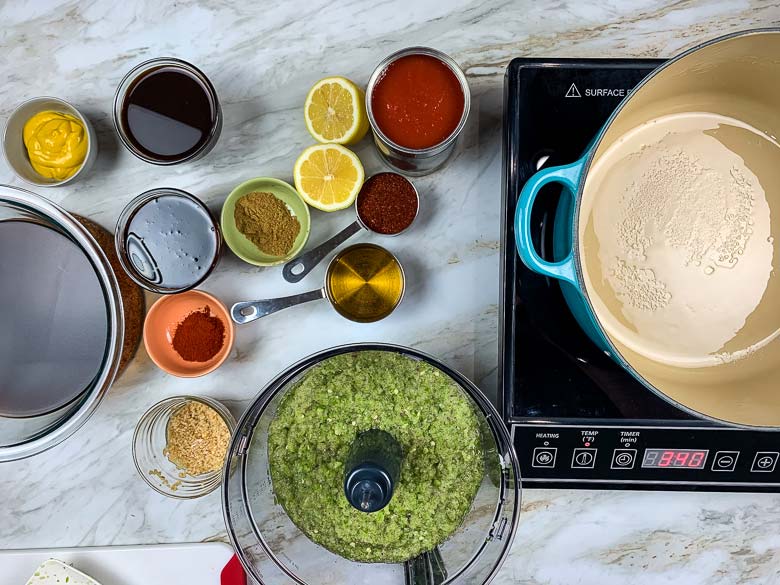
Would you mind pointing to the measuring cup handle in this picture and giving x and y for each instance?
(248, 311)
(296, 269)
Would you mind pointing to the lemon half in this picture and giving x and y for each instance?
(328, 176)
(335, 111)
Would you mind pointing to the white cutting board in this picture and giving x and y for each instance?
(167, 564)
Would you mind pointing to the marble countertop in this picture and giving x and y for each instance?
(262, 57)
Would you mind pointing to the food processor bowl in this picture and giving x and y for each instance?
(273, 549)
(25, 435)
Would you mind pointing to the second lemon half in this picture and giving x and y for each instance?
(328, 176)
(335, 111)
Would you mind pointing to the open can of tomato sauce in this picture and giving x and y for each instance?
(418, 102)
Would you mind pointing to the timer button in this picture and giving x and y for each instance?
(583, 458)
(725, 461)
(623, 458)
(544, 457)
(765, 461)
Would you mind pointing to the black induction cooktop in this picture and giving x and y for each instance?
(577, 418)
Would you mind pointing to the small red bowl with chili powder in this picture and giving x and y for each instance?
(188, 334)
(418, 101)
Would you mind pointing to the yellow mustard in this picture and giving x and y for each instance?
(56, 144)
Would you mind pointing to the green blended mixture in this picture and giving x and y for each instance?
(427, 413)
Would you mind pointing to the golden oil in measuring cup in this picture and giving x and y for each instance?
(365, 283)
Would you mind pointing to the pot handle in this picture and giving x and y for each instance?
(568, 176)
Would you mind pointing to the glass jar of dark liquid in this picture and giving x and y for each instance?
(166, 112)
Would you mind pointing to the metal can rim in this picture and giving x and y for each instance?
(454, 67)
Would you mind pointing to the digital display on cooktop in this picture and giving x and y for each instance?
(674, 458)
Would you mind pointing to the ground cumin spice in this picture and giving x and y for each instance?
(199, 337)
(266, 221)
(196, 438)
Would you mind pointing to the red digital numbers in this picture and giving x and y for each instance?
(697, 459)
(674, 458)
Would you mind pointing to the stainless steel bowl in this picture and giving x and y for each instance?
(23, 437)
(273, 550)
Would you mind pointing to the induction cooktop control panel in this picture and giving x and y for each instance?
(682, 456)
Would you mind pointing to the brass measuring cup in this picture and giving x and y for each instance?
(351, 263)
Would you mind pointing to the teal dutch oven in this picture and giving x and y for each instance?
(707, 341)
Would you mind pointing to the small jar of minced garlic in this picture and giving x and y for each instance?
(180, 445)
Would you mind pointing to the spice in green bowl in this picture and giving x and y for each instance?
(265, 221)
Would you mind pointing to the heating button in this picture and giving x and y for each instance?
(583, 458)
(544, 457)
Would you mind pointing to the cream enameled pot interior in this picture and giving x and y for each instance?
(678, 230)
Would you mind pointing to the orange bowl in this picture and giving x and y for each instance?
(160, 325)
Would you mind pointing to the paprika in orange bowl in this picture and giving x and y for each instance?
(188, 334)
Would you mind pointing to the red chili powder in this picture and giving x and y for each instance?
(199, 337)
(387, 203)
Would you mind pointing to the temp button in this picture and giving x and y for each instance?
(583, 458)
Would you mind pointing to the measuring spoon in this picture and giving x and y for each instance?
(364, 273)
(297, 269)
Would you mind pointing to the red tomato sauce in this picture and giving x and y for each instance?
(418, 101)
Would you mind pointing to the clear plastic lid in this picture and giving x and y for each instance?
(276, 552)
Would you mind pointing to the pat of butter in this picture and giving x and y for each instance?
(53, 572)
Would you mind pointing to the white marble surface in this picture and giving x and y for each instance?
(262, 57)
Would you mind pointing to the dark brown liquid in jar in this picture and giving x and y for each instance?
(169, 114)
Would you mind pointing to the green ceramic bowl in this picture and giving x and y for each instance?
(245, 249)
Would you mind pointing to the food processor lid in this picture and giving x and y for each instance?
(274, 551)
